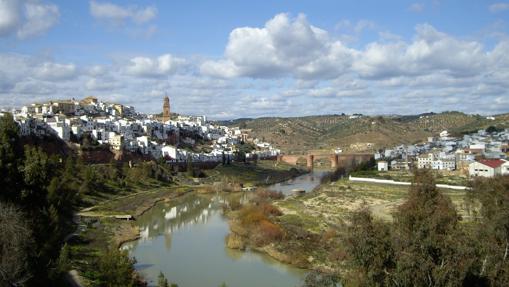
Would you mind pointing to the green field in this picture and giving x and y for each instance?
(265, 172)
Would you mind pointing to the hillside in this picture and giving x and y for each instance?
(300, 134)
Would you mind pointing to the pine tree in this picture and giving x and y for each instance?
(10, 159)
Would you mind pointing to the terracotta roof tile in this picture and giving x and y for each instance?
(493, 163)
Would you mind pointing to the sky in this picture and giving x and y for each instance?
(228, 59)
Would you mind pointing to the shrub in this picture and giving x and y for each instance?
(264, 195)
(270, 210)
(329, 234)
(267, 232)
(250, 215)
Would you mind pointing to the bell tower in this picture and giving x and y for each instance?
(166, 109)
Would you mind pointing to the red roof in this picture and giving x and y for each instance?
(493, 163)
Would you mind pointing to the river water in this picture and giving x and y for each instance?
(186, 241)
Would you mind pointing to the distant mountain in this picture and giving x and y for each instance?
(301, 134)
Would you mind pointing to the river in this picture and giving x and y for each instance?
(185, 240)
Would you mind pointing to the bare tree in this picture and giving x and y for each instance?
(15, 245)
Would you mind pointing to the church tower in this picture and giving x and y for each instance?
(166, 109)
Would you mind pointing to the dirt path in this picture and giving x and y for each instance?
(384, 210)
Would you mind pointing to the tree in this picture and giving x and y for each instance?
(493, 129)
(368, 243)
(426, 237)
(89, 180)
(240, 156)
(162, 281)
(15, 246)
(423, 246)
(116, 269)
(493, 228)
(37, 172)
(10, 158)
(62, 196)
(189, 167)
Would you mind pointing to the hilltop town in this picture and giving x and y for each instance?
(483, 153)
(179, 138)
(172, 137)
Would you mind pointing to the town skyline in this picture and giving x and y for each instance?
(279, 59)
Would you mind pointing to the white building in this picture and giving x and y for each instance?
(487, 167)
(169, 151)
(62, 130)
(432, 161)
(504, 169)
(116, 142)
(425, 160)
(383, 165)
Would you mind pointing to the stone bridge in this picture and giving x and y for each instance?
(344, 160)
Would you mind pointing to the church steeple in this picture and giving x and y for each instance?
(166, 109)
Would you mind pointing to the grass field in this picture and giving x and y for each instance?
(331, 204)
(265, 172)
(441, 177)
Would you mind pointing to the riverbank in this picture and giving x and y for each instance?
(100, 229)
(312, 223)
(261, 173)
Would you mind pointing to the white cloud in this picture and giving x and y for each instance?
(416, 7)
(287, 67)
(10, 14)
(351, 32)
(154, 67)
(39, 18)
(34, 87)
(442, 70)
(285, 46)
(102, 84)
(119, 14)
(499, 7)
(96, 70)
(54, 71)
(26, 18)
(430, 51)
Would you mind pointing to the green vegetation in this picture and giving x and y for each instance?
(40, 194)
(42, 191)
(264, 172)
(163, 282)
(381, 235)
(256, 221)
(426, 245)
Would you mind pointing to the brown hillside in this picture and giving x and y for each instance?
(300, 134)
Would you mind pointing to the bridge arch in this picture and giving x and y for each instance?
(344, 160)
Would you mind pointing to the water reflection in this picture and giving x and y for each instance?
(185, 240)
(305, 182)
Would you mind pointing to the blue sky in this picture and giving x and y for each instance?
(230, 59)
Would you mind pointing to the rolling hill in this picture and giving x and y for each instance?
(301, 134)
